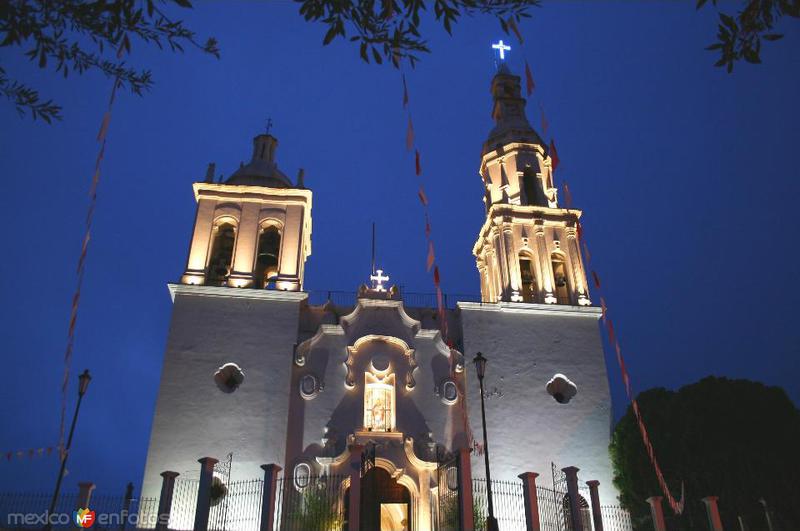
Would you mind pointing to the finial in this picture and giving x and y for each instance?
(269, 124)
(300, 175)
(210, 172)
(502, 48)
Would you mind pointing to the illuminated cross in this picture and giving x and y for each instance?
(378, 280)
(503, 48)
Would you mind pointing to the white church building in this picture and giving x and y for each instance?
(253, 369)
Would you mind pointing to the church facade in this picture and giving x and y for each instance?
(251, 368)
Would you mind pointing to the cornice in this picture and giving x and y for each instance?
(533, 309)
(251, 193)
(235, 293)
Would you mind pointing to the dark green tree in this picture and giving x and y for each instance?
(735, 439)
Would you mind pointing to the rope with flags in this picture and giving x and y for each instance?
(677, 505)
(101, 138)
(30, 453)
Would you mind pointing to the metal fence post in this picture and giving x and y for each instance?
(85, 489)
(466, 515)
(594, 494)
(165, 500)
(354, 510)
(531, 499)
(203, 507)
(657, 513)
(126, 506)
(712, 510)
(574, 504)
(268, 496)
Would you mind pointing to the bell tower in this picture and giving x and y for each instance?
(527, 249)
(254, 229)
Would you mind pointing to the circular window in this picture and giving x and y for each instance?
(308, 386)
(229, 377)
(449, 392)
(302, 476)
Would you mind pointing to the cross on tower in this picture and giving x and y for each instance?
(502, 48)
(269, 124)
(378, 280)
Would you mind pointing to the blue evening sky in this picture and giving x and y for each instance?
(687, 176)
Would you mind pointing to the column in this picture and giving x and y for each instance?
(291, 250)
(424, 504)
(712, 510)
(657, 513)
(546, 282)
(165, 500)
(268, 496)
(354, 510)
(531, 500)
(126, 505)
(201, 243)
(594, 494)
(502, 259)
(572, 489)
(204, 493)
(512, 260)
(244, 254)
(578, 272)
(466, 515)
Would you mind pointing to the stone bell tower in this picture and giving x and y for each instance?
(253, 230)
(527, 249)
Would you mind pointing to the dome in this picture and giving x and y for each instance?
(262, 169)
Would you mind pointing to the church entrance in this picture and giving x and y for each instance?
(385, 504)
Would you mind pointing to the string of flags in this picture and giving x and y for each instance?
(101, 138)
(677, 506)
(30, 453)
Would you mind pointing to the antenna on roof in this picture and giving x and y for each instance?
(373, 247)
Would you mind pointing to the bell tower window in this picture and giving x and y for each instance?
(379, 405)
(528, 279)
(529, 188)
(267, 258)
(560, 279)
(219, 265)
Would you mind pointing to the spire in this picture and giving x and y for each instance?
(508, 112)
(262, 170)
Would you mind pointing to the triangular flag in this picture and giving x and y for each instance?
(513, 25)
(567, 194)
(405, 92)
(427, 226)
(586, 253)
(554, 160)
(422, 197)
(431, 256)
(545, 123)
(529, 83)
(410, 135)
(104, 126)
(417, 162)
(596, 279)
(436, 276)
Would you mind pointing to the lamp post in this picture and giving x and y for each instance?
(480, 368)
(83, 385)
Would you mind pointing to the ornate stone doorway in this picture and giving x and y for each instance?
(385, 504)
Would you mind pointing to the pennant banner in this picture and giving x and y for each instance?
(529, 83)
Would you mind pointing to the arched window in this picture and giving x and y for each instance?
(529, 182)
(561, 287)
(219, 265)
(379, 403)
(528, 279)
(269, 247)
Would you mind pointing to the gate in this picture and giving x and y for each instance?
(218, 515)
(370, 509)
(561, 504)
(449, 493)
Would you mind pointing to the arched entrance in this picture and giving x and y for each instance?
(385, 504)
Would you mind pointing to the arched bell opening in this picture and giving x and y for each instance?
(267, 256)
(221, 258)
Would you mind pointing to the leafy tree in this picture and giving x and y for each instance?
(735, 439)
(739, 37)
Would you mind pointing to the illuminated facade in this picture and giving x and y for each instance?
(252, 368)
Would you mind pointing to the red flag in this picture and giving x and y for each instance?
(513, 25)
(427, 226)
(596, 279)
(436, 276)
(529, 83)
(410, 135)
(422, 197)
(586, 252)
(104, 126)
(554, 160)
(431, 256)
(417, 162)
(603, 307)
(567, 194)
(405, 92)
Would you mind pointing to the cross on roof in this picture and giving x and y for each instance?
(378, 280)
(502, 48)
(269, 124)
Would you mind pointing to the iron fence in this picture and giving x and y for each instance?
(616, 518)
(551, 514)
(240, 507)
(410, 299)
(311, 503)
(509, 505)
(184, 503)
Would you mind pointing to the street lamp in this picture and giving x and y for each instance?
(480, 368)
(83, 385)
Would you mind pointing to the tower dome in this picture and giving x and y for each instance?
(262, 170)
